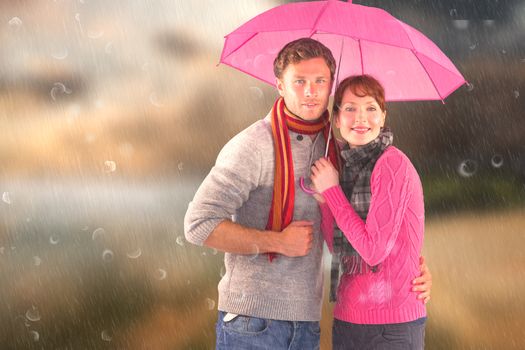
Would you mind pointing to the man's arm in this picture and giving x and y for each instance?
(423, 284)
(226, 188)
(294, 240)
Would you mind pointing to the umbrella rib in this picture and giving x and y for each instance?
(429, 77)
(238, 47)
(248, 73)
(312, 32)
(361, 57)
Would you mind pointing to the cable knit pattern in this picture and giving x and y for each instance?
(392, 235)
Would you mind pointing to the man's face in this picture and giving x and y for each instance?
(305, 87)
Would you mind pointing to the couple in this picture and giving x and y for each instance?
(251, 207)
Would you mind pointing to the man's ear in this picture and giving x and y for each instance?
(280, 86)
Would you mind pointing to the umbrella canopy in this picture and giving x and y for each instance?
(363, 40)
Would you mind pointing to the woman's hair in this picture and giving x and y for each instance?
(360, 85)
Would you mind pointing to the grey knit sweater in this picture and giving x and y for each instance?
(240, 185)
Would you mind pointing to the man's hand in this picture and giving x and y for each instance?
(296, 239)
(423, 284)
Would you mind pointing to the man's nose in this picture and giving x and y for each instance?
(310, 89)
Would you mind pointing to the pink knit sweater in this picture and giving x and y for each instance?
(391, 236)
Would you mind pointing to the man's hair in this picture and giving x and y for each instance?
(300, 50)
(360, 85)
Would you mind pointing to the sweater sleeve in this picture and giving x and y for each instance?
(327, 225)
(375, 238)
(225, 189)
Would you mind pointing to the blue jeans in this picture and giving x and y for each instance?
(395, 336)
(245, 332)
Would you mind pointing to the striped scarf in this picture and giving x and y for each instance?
(281, 210)
(359, 163)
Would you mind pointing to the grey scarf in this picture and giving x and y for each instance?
(356, 172)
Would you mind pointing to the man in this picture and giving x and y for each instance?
(271, 294)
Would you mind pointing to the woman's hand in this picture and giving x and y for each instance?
(324, 175)
(318, 197)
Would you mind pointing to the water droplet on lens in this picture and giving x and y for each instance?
(214, 251)
(98, 232)
(15, 23)
(257, 92)
(107, 255)
(453, 12)
(105, 335)
(504, 52)
(497, 161)
(180, 166)
(33, 315)
(60, 55)
(223, 271)
(35, 335)
(470, 86)
(473, 46)
(210, 303)
(6, 198)
(110, 166)
(54, 240)
(154, 100)
(161, 274)
(59, 89)
(180, 241)
(95, 34)
(516, 93)
(135, 255)
(37, 261)
(467, 168)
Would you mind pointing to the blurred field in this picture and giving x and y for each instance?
(73, 277)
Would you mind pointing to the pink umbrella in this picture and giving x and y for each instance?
(365, 40)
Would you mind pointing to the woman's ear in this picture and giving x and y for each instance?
(336, 120)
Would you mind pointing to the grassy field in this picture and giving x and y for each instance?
(108, 268)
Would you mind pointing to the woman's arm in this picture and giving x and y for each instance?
(374, 239)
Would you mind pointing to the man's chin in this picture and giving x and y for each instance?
(310, 117)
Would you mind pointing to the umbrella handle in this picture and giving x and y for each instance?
(304, 188)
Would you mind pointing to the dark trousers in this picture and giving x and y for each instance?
(402, 336)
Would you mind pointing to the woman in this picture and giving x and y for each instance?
(378, 207)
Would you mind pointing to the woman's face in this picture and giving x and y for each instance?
(360, 119)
